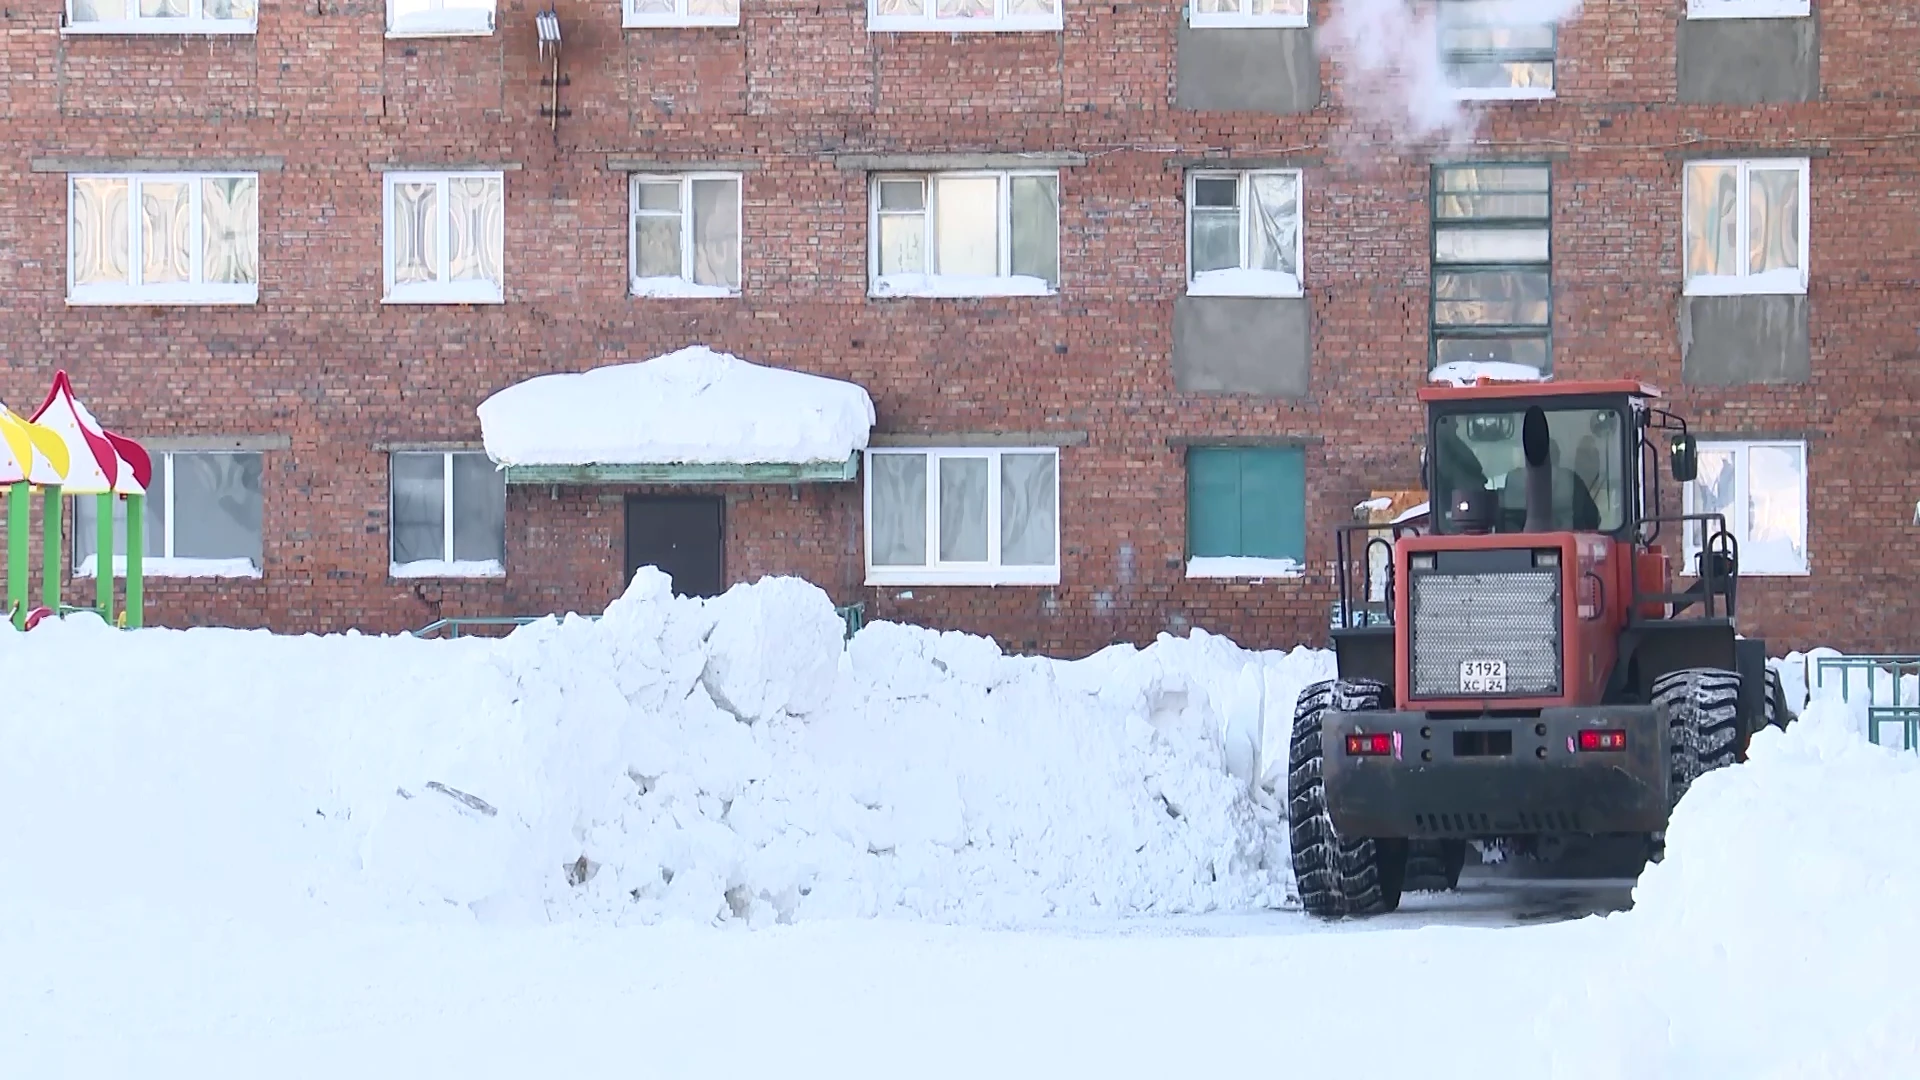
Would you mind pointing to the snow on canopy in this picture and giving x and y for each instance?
(101, 461)
(29, 452)
(1468, 372)
(692, 406)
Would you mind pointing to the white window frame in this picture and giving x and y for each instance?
(1241, 19)
(1748, 9)
(936, 572)
(440, 291)
(1744, 283)
(633, 19)
(162, 563)
(1738, 522)
(1274, 283)
(936, 285)
(684, 285)
(171, 293)
(1001, 23)
(442, 22)
(196, 22)
(437, 568)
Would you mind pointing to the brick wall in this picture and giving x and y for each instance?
(321, 360)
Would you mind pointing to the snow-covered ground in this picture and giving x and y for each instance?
(657, 842)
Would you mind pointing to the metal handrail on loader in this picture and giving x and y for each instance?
(1719, 564)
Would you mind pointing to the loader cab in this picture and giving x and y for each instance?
(1477, 472)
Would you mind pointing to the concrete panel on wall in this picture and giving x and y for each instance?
(1749, 61)
(1744, 340)
(1242, 345)
(1246, 69)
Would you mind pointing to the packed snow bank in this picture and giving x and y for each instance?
(676, 758)
(693, 406)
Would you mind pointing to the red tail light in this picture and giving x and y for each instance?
(1376, 745)
(1593, 739)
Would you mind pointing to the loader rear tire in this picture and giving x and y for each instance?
(1335, 876)
(1703, 715)
(1778, 715)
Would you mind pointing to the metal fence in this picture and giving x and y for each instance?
(1883, 679)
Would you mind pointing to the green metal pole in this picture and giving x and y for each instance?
(136, 553)
(19, 507)
(52, 529)
(103, 554)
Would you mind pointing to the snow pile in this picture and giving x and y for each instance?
(693, 406)
(677, 758)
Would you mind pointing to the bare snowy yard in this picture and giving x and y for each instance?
(704, 839)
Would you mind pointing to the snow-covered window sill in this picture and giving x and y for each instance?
(1008, 575)
(175, 568)
(436, 568)
(881, 24)
(1240, 566)
(631, 21)
(1748, 9)
(1277, 284)
(162, 27)
(467, 23)
(1236, 21)
(483, 293)
(659, 288)
(1789, 282)
(956, 287)
(162, 295)
(1503, 93)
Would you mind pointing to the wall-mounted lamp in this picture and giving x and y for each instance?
(548, 24)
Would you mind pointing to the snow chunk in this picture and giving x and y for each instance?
(1242, 566)
(956, 286)
(679, 287)
(693, 406)
(441, 568)
(1467, 372)
(1369, 505)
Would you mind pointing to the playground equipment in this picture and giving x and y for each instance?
(62, 450)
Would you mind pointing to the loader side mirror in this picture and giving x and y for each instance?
(1685, 459)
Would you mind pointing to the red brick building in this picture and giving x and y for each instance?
(1167, 267)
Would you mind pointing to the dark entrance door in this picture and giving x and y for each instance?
(683, 535)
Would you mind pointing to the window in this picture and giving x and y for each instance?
(1249, 13)
(163, 238)
(1747, 9)
(963, 517)
(966, 234)
(161, 16)
(1761, 487)
(439, 18)
(1492, 286)
(1243, 234)
(682, 13)
(1478, 450)
(446, 238)
(449, 516)
(201, 519)
(1492, 50)
(686, 235)
(963, 16)
(1746, 227)
(1246, 512)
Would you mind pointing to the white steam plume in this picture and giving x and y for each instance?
(1386, 56)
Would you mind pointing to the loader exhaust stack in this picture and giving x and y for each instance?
(1536, 443)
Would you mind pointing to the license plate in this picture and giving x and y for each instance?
(1483, 676)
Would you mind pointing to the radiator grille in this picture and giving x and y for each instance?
(1512, 616)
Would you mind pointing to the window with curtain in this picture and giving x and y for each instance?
(1746, 226)
(962, 16)
(1243, 233)
(163, 238)
(685, 235)
(965, 234)
(1498, 49)
(445, 238)
(1761, 488)
(202, 518)
(979, 516)
(1241, 13)
(439, 18)
(681, 12)
(161, 17)
(448, 515)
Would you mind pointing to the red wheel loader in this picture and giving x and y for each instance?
(1540, 674)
